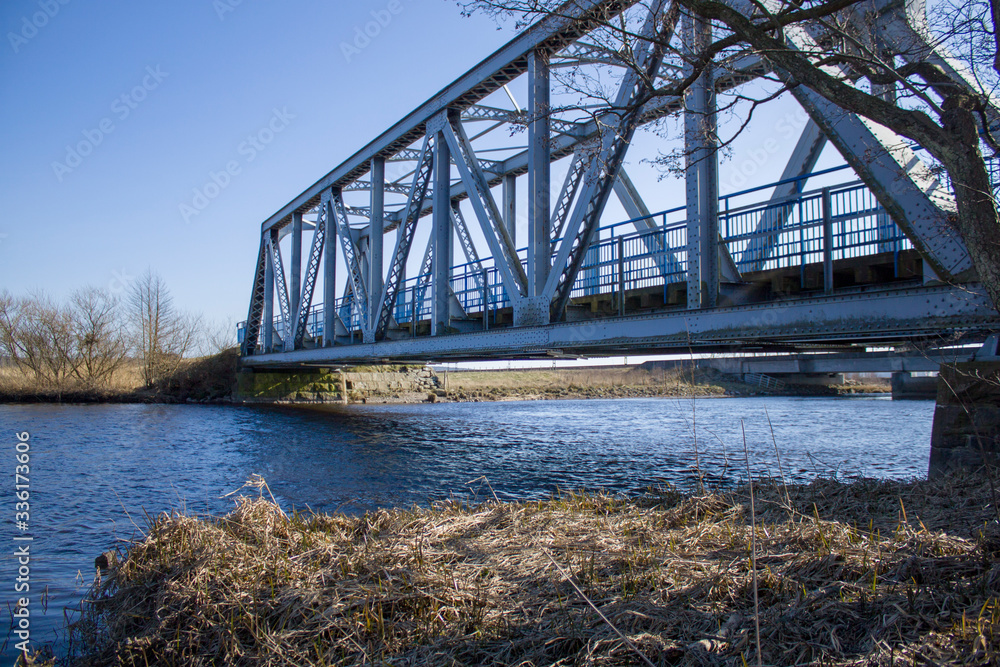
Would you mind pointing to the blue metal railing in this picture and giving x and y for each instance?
(759, 237)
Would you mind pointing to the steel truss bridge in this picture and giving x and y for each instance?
(871, 261)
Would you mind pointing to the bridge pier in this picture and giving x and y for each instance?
(966, 432)
(906, 386)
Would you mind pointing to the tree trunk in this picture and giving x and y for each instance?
(978, 221)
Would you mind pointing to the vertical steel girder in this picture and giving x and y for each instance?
(441, 234)
(701, 174)
(539, 156)
(504, 253)
(268, 323)
(802, 161)
(274, 252)
(375, 235)
(618, 130)
(329, 271)
(510, 206)
(309, 283)
(295, 279)
(352, 258)
(257, 302)
(404, 239)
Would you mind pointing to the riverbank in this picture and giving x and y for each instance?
(870, 572)
(212, 379)
(623, 382)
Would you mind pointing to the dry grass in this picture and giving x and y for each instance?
(210, 377)
(843, 579)
(16, 383)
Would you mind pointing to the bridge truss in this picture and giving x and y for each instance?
(871, 261)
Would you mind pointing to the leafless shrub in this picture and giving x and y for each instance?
(162, 334)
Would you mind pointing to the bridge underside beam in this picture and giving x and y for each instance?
(849, 319)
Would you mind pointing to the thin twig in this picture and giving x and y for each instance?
(777, 454)
(483, 478)
(604, 618)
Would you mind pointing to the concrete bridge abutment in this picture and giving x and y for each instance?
(966, 432)
(354, 384)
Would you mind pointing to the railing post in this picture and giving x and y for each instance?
(486, 300)
(827, 241)
(802, 245)
(621, 275)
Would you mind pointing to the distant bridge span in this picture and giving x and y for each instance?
(868, 262)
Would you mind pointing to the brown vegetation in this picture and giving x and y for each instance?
(209, 378)
(869, 573)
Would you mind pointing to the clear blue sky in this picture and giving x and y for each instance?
(220, 77)
(113, 113)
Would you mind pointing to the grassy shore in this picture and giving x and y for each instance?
(830, 573)
(617, 382)
(202, 379)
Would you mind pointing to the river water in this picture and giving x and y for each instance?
(97, 471)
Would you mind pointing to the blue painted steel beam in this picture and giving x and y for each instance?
(873, 317)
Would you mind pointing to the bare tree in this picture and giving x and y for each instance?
(38, 336)
(163, 336)
(906, 89)
(102, 342)
(218, 336)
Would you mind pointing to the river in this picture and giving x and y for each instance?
(97, 472)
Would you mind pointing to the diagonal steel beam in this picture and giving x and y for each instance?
(619, 127)
(802, 161)
(278, 270)
(636, 209)
(471, 256)
(746, 69)
(563, 206)
(423, 278)
(482, 112)
(309, 284)
(352, 257)
(903, 184)
(257, 297)
(583, 53)
(414, 204)
(504, 253)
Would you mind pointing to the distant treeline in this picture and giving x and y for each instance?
(84, 342)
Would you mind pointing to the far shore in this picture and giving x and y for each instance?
(211, 380)
(469, 387)
(623, 382)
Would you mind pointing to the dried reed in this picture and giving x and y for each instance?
(842, 579)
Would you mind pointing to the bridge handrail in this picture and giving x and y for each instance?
(649, 254)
